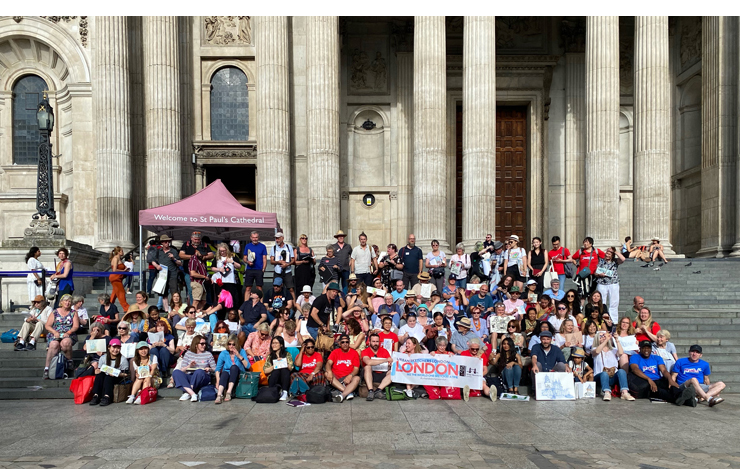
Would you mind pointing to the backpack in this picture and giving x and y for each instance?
(395, 394)
(268, 395)
(247, 386)
(9, 337)
(207, 393)
(58, 366)
(318, 395)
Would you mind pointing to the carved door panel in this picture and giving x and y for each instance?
(511, 172)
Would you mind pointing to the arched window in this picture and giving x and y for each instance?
(27, 94)
(229, 105)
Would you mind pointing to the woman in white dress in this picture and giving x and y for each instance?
(35, 279)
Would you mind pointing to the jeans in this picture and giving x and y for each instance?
(345, 279)
(512, 376)
(461, 283)
(367, 279)
(606, 382)
(152, 274)
(231, 376)
(194, 381)
(187, 286)
(164, 358)
(561, 277)
(313, 331)
(246, 328)
(409, 280)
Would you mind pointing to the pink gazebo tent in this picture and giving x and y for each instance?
(212, 211)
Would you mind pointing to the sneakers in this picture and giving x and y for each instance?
(46, 375)
(30, 346)
(370, 395)
(350, 396)
(379, 394)
(104, 401)
(492, 394)
(466, 393)
(713, 401)
(409, 393)
(284, 396)
(137, 401)
(185, 396)
(95, 400)
(627, 396)
(194, 398)
(130, 399)
(19, 347)
(688, 393)
(337, 398)
(607, 395)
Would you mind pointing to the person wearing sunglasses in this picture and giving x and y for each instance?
(194, 370)
(309, 363)
(257, 345)
(514, 305)
(97, 331)
(376, 362)
(342, 370)
(477, 349)
(231, 363)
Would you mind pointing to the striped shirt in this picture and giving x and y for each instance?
(202, 360)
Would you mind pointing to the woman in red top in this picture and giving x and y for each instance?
(586, 257)
(477, 350)
(309, 362)
(116, 280)
(645, 327)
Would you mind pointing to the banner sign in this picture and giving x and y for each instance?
(437, 370)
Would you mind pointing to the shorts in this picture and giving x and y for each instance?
(378, 376)
(704, 387)
(253, 277)
(199, 293)
(287, 279)
(514, 272)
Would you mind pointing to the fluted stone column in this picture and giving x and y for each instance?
(138, 124)
(652, 163)
(575, 149)
(602, 130)
(112, 125)
(405, 139)
(322, 89)
(479, 133)
(273, 120)
(430, 170)
(718, 142)
(162, 110)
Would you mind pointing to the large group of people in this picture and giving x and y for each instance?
(501, 303)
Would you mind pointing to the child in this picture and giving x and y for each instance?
(581, 371)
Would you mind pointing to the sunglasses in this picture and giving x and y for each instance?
(515, 293)
(344, 341)
(474, 350)
(561, 309)
(512, 327)
(122, 328)
(310, 347)
(202, 343)
(232, 344)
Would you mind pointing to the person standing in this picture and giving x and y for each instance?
(281, 256)
(34, 280)
(343, 251)
(255, 258)
(607, 280)
(515, 261)
(194, 247)
(559, 256)
(538, 261)
(116, 280)
(363, 261)
(305, 273)
(587, 260)
(64, 275)
(435, 262)
(412, 259)
(167, 258)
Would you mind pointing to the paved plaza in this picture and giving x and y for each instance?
(359, 434)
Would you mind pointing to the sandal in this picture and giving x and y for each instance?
(516, 391)
(219, 399)
(228, 397)
(171, 384)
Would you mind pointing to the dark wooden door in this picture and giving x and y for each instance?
(458, 174)
(511, 172)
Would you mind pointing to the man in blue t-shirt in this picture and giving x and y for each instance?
(412, 260)
(645, 366)
(483, 299)
(255, 259)
(694, 372)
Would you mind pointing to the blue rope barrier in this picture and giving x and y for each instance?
(21, 273)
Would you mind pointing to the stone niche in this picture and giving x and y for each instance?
(368, 147)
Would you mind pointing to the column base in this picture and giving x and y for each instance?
(713, 252)
(735, 250)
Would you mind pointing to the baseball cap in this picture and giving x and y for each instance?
(277, 281)
(141, 344)
(695, 348)
(114, 342)
(546, 334)
(646, 343)
(333, 286)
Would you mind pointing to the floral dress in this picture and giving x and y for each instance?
(63, 324)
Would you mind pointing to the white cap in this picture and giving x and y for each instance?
(279, 234)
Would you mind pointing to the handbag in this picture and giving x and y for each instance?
(550, 275)
(82, 388)
(247, 386)
(394, 394)
(268, 395)
(257, 367)
(437, 272)
(610, 370)
(324, 342)
(148, 395)
(207, 393)
(51, 289)
(121, 392)
(9, 337)
(584, 273)
(318, 395)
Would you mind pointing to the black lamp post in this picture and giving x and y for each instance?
(45, 178)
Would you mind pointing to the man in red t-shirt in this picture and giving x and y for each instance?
(559, 255)
(388, 339)
(377, 372)
(342, 370)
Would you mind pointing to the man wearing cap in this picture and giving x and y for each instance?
(694, 372)
(168, 258)
(34, 324)
(306, 296)
(559, 256)
(255, 260)
(281, 256)
(376, 362)
(462, 335)
(547, 358)
(363, 261)
(554, 291)
(343, 369)
(514, 305)
(277, 298)
(412, 259)
(321, 310)
(424, 288)
(482, 299)
(645, 366)
(343, 252)
(194, 247)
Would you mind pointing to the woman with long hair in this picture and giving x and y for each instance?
(177, 308)
(225, 266)
(573, 301)
(509, 364)
(568, 336)
(116, 280)
(305, 274)
(356, 335)
(106, 380)
(538, 260)
(194, 370)
(501, 292)
(645, 327)
(34, 280)
(278, 365)
(607, 280)
(594, 304)
(310, 364)
(145, 371)
(606, 367)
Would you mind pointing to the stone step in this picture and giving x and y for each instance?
(23, 382)
(688, 328)
(34, 372)
(706, 341)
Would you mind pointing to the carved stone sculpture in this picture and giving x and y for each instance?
(227, 30)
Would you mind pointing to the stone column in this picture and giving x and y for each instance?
(479, 133)
(602, 130)
(652, 163)
(719, 140)
(162, 110)
(430, 170)
(322, 89)
(405, 139)
(273, 120)
(575, 149)
(112, 132)
(138, 124)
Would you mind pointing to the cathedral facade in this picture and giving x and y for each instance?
(446, 127)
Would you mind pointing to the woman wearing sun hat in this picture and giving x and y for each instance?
(515, 261)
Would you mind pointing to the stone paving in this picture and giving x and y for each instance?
(380, 434)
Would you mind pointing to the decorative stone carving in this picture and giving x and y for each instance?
(511, 29)
(227, 30)
(393, 195)
(368, 65)
(81, 26)
(44, 228)
(345, 195)
(573, 35)
(368, 125)
(547, 82)
(83, 30)
(219, 153)
(690, 40)
(17, 19)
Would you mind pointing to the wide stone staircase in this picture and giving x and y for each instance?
(697, 308)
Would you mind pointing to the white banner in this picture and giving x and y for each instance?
(437, 370)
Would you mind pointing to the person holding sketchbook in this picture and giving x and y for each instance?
(145, 371)
(194, 370)
(162, 347)
(113, 368)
